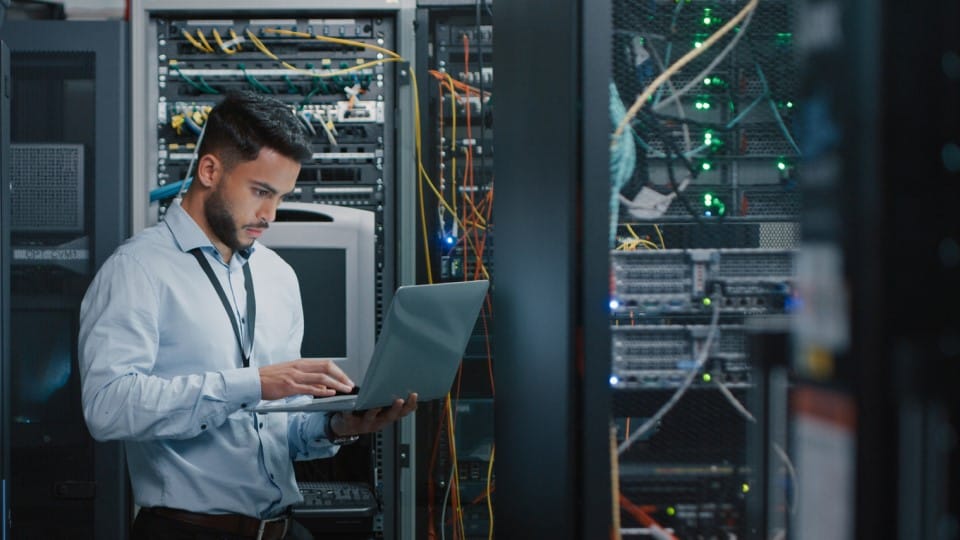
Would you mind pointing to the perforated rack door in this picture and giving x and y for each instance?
(47, 188)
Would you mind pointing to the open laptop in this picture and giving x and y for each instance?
(421, 343)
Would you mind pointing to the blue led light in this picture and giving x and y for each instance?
(614, 304)
(451, 240)
(614, 380)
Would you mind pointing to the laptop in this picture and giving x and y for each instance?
(421, 343)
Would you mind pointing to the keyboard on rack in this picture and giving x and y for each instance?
(348, 499)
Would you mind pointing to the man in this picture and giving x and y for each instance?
(192, 322)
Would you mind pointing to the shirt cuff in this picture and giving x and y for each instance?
(242, 386)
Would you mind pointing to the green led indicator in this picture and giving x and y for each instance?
(707, 81)
(745, 487)
(671, 511)
(781, 165)
(713, 206)
(707, 21)
(698, 44)
(706, 166)
(707, 301)
(789, 104)
(707, 377)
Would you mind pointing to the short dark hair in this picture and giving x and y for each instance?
(244, 122)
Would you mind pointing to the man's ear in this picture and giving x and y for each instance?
(209, 170)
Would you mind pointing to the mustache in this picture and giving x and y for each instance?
(263, 224)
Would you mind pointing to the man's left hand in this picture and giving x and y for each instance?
(344, 423)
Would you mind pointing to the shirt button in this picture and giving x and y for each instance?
(243, 405)
(261, 424)
(203, 426)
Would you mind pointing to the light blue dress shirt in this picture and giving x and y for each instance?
(162, 371)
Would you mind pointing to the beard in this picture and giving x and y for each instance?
(220, 219)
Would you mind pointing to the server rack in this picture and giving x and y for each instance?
(456, 243)
(170, 81)
(703, 231)
(76, 152)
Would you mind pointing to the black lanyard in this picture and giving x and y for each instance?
(251, 301)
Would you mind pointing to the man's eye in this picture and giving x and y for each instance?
(261, 192)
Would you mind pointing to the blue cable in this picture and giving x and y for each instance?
(168, 191)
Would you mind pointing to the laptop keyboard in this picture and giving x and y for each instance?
(335, 499)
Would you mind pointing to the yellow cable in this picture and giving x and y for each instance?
(263, 48)
(677, 66)
(341, 41)
(224, 48)
(633, 232)
(660, 235)
(193, 41)
(452, 442)
(493, 450)
(393, 57)
(647, 243)
(236, 39)
(423, 175)
(203, 39)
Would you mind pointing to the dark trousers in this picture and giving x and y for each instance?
(149, 526)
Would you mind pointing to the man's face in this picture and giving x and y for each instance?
(245, 200)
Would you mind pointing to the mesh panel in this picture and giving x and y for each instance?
(728, 130)
(47, 187)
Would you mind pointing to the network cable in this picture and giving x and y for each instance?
(701, 359)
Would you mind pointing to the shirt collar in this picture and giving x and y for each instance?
(188, 235)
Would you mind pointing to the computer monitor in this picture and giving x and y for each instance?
(331, 249)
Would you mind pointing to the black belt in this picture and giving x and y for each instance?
(234, 524)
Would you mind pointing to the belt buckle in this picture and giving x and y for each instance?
(263, 526)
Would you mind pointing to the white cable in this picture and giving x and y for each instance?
(443, 513)
(791, 471)
(709, 69)
(734, 401)
(680, 112)
(704, 353)
(794, 479)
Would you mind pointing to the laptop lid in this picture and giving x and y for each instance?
(421, 343)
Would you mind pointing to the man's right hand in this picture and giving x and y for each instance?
(310, 376)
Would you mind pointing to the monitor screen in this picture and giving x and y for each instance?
(322, 276)
(331, 249)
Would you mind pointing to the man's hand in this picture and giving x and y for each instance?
(310, 376)
(371, 420)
